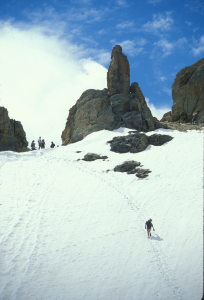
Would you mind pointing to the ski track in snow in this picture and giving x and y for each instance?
(22, 240)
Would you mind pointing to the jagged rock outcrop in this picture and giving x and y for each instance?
(137, 142)
(97, 110)
(92, 112)
(166, 117)
(12, 135)
(188, 95)
(118, 76)
(121, 105)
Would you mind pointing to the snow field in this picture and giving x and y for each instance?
(71, 230)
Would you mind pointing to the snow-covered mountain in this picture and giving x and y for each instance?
(70, 230)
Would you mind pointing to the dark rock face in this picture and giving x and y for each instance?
(188, 94)
(118, 76)
(93, 156)
(12, 135)
(166, 117)
(97, 110)
(127, 166)
(137, 142)
(131, 167)
(92, 112)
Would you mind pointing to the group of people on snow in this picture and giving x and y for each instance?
(41, 144)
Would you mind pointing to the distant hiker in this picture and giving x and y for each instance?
(43, 144)
(33, 145)
(149, 225)
(52, 145)
(39, 142)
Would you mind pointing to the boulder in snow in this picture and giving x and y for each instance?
(133, 143)
(93, 156)
(137, 142)
(159, 139)
(127, 166)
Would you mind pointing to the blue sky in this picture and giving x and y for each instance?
(159, 38)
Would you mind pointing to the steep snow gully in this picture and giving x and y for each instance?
(70, 229)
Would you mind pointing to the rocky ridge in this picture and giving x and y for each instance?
(182, 126)
(121, 105)
(12, 134)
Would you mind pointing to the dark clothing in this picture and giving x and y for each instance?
(149, 224)
(33, 146)
(52, 145)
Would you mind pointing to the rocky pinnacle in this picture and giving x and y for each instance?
(118, 76)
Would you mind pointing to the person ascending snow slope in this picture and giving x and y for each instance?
(149, 225)
(39, 143)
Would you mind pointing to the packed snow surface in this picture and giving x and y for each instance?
(72, 230)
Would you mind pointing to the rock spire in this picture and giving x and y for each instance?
(118, 76)
(121, 105)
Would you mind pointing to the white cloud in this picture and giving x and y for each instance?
(88, 15)
(167, 90)
(141, 42)
(157, 112)
(89, 41)
(125, 25)
(122, 3)
(103, 57)
(162, 78)
(160, 23)
(129, 47)
(168, 47)
(199, 49)
(41, 78)
(102, 31)
(49, 16)
(181, 42)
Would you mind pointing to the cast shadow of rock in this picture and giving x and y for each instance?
(157, 238)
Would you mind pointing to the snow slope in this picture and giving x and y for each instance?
(71, 230)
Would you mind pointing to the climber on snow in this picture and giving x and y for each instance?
(148, 226)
